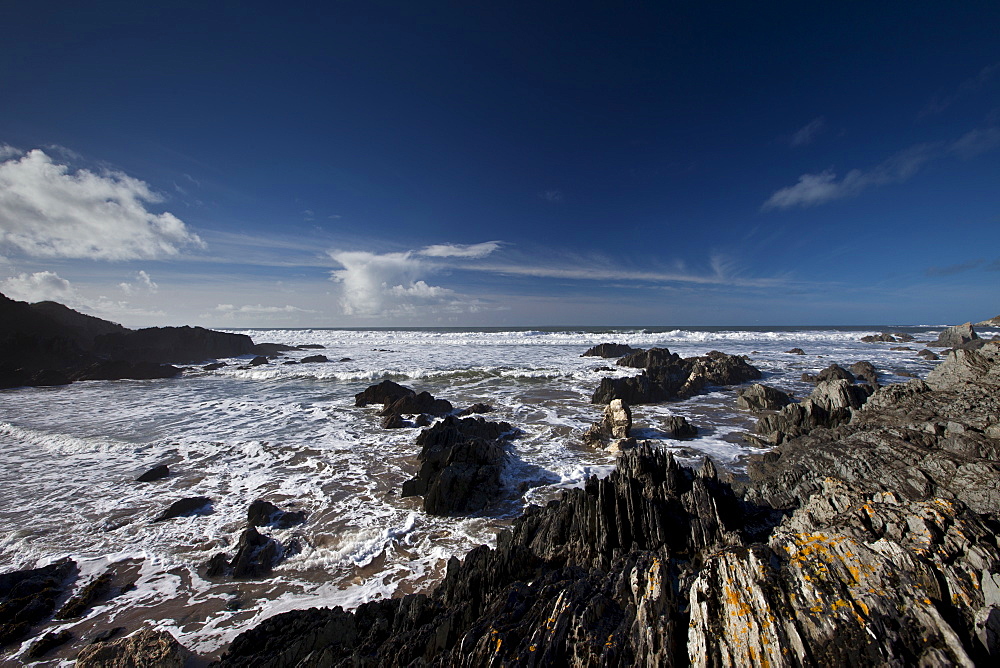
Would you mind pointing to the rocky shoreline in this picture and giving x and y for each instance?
(867, 535)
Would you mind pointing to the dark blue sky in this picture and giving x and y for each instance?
(503, 163)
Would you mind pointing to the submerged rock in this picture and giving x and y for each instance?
(314, 359)
(195, 505)
(796, 351)
(384, 393)
(264, 513)
(155, 473)
(88, 595)
(607, 350)
(414, 404)
(461, 462)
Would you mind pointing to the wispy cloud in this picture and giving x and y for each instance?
(952, 269)
(808, 133)
(259, 309)
(976, 142)
(47, 210)
(460, 250)
(551, 195)
(142, 283)
(983, 79)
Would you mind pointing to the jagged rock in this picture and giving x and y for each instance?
(264, 513)
(256, 555)
(968, 366)
(668, 377)
(155, 473)
(475, 409)
(196, 505)
(422, 420)
(615, 425)
(147, 647)
(393, 421)
(796, 351)
(607, 350)
(28, 597)
(865, 371)
(832, 372)
(678, 427)
(461, 462)
(992, 322)
(928, 354)
(957, 336)
(214, 366)
(259, 360)
(48, 642)
(412, 404)
(829, 405)
(89, 594)
(384, 393)
(759, 397)
(310, 359)
(886, 337)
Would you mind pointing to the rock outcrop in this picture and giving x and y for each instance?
(146, 647)
(832, 372)
(958, 336)
(461, 462)
(172, 345)
(759, 398)
(29, 597)
(832, 403)
(871, 543)
(256, 555)
(886, 337)
(865, 371)
(264, 513)
(667, 377)
(608, 350)
(615, 425)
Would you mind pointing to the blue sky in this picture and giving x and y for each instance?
(397, 163)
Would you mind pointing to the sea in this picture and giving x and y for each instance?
(291, 434)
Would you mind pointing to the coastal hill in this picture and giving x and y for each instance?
(50, 344)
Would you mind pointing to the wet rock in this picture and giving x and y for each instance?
(796, 351)
(345, 359)
(196, 505)
(155, 473)
(258, 361)
(393, 421)
(106, 635)
(384, 393)
(759, 397)
(607, 350)
(615, 425)
(214, 366)
(29, 597)
(678, 427)
(461, 462)
(271, 349)
(146, 647)
(668, 377)
(48, 642)
(928, 354)
(475, 409)
(865, 371)
(957, 336)
(89, 594)
(314, 359)
(886, 337)
(832, 372)
(264, 513)
(310, 346)
(122, 370)
(412, 404)
(422, 420)
(256, 555)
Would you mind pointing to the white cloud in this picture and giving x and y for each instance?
(807, 134)
(260, 309)
(813, 189)
(551, 195)
(7, 151)
(142, 283)
(38, 287)
(977, 141)
(461, 250)
(48, 211)
(394, 283)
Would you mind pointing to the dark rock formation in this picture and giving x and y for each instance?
(311, 346)
(29, 597)
(414, 404)
(384, 393)
(155, 473)
(122, 370)
(832, 372)
(146, 647)
(865, 371)
(461, 462)
(393, 421)
(270, 349)
(475, 409)
(196, 505)
(615, 425)
(213, 366)
(264, 513)
(48, 642)
(607, 350)
(928, 354)
(668, 377)
(796, 351)
(678, 427)
(830, 404)
(872, 543)
(256, 555)
(886, 337)
(89, 594)
(956, 337)
(106, 635)
(172, 345)
(259, 360)
(314, 359)
(759, 397)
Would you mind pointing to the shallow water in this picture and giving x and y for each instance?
(291, 434)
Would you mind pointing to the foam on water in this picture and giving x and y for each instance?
(291, 434)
